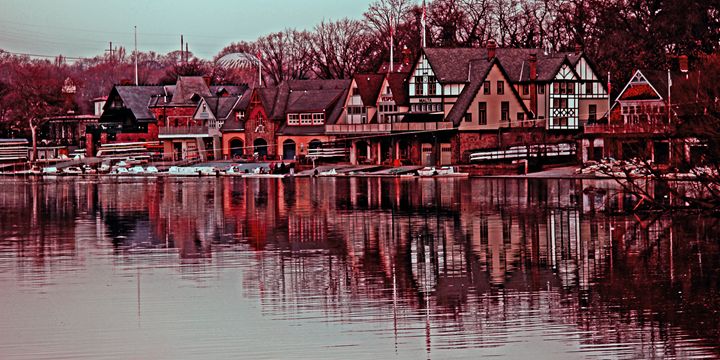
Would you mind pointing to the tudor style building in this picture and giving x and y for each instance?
(456, 102)
(501, 99)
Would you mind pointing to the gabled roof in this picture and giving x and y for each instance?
(244, 100)
(273, 100)
(481, 69)
(302, 96)
(686, 97)
(296, 85)
(136, 99)
(451, 65)
(398, 86)
(187, 88)
(220, 107)
(311, 100)
(369, 86)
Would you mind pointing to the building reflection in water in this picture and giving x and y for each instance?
(475, 259)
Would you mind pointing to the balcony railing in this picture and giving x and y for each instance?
(658, 128)
(183, 130)
(386, 128)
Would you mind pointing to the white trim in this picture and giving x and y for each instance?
(617, 99)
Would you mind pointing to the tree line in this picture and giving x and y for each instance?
(619, 35)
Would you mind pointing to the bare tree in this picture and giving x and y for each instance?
(446, 18)
(339, 48)
(285, 55)
(383, 14)
(476, 29)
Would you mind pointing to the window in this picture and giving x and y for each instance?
(556, 88)
(589, 90)
(388, 108)
(293, 119)
(387, 90)
(505, 111)
(468, 117)
(482, 113)
(318, 118)
(418, 85)
(500, 87)
(305, 119)
(486, 88)
(592, 113)
(355, 110)
(540, 89)
(356, 91)
(571, 88)
(432, 85)
(526, 89)
(521, 116)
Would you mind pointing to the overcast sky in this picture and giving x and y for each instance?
(84, 27)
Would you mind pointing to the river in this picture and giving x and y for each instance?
(336, 268)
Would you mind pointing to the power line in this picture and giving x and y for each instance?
(44, 55)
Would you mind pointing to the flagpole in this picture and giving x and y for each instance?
(392, 48)
(423, 21)
(609, 95)
(136, 58)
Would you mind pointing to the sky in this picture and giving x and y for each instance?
(83, 28)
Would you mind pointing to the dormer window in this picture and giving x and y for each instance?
(293, 119)
(318, 119)
(356, 91)
(306, 119)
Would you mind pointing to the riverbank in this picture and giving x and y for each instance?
(282, 170)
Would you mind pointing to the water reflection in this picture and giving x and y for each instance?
(413, 268)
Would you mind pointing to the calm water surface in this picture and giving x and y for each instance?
(350, 268)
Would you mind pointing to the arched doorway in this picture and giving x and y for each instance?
(236, 148)
(260, 147)
(288, 150)
(314, 144)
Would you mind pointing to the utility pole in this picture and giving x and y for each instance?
(136, 58)
(182, 45)
(187, 52)
(110, 50)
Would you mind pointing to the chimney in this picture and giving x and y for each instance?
(533, 82)
(684, 65)
(578, 49)
(207, 80)
(491, 46)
